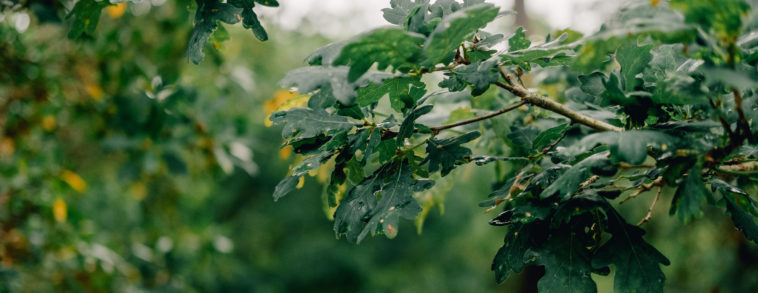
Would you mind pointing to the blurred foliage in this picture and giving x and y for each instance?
(123, 168)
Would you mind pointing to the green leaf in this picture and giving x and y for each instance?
(401, 9)
(355, 208)
(740, 206)
(386, 150)
(518, 41)
(386, 47)
(637, 262)
(406, 129)
(689, 197)
(327, 150)
(480, 76)
(452, 30)
(400, 89)
(307, 123)
(313, 78)
(209, 13)
(567, 265)
(568, 183)
(86, 16)
(360, 213)
(521, 138)
(326, 54)
(633, 60)
(724, 16)
(443, 154)
(250, 19)
(628, 146)
(742, 220)
(549, 136)
(476, 56)
(512, 256)
(396, 201)
(551, 53)
(270, 3)
(524, 213)
(286, 186)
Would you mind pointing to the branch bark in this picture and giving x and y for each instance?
(520, 91)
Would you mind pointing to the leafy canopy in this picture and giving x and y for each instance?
(662, 97)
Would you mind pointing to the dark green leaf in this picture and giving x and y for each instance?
(689, 197)
(209, 13)
(270, 3)
(567, 265)
(307, 123)
(86, 16)
(628, 146)
(549, 136)
(740, 206)
(383, 215)
(354, 210)
(637, 262)
(406, 129)
(386, 47)
(480, 76)
(443, 154)
(521, 138)
(512, 256)
(568, 183)
(400, 90)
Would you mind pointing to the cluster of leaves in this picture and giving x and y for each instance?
(85, 16)
(662, 97)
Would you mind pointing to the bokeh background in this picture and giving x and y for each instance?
(125, 168)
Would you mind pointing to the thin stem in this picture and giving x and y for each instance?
(742, 123)
(737, 138)
(652, 206)
(644, 188)
(553, 106)
(436, 130)
(554, 144)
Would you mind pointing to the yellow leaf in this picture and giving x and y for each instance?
(59, 210)
(138, 190)
(116, 11)
(300, 183)
(95, 91)
(285, 152)
(74, 180)
(7, 146)
(283, 100)
(48, 122)
(655, 2)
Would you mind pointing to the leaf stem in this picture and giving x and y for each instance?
(645, 187)
(736, 138)
(652, 206)
(436, 130)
